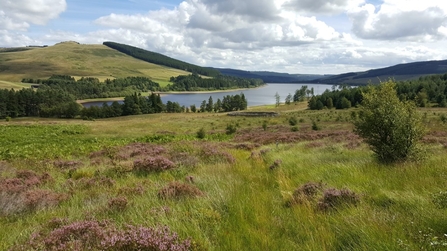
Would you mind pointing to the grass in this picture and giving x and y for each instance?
(13, 85)
(78, 60)
(243, 204)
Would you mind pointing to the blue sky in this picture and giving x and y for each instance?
(295, 36)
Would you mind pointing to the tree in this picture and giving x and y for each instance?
(288, 99)
(210, 105)
(278, 99)
(391, 127)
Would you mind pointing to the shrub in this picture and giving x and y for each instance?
(315, 126)
(117, 204)
(153, 164)
(391, 127)
(8, 119)
(294, 129)
(293, 121)
(333, 198)
(103, 235)
(231, 129)
(176, 190)
(305, 192)
(264, 125)
(201, 133)
(277, 163)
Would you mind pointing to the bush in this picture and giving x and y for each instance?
(201, 133)
(333, 198)
(231, 129)
(8, 119)
(153, 164)
(315, 126)
(293, 121)
(103, 235)
(176, 190)
(391, 127)
(295, 129)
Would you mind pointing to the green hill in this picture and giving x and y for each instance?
(398, 72)
(78, 60)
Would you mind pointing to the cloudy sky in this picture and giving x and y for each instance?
(294, 36)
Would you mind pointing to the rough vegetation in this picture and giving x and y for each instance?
(147, 182)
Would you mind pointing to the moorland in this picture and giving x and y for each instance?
(302, 180)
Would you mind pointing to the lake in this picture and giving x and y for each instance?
(259, 96)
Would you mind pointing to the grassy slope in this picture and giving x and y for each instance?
(244, 203)
(78, 60)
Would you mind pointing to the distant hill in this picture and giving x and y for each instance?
(270, 77)
(71, 58)
(398, 72)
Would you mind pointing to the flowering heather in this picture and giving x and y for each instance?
(153, 164)
(137, 190)
(38, 199)
(118, 204)
(276, 164)
(103, 235)
(213, 154)
(16, 194)
(177, 190)
(67, 163)
(333, 198)
(143, 238)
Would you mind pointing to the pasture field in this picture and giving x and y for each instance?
(13, 85)
(70, 58)
(273, 184)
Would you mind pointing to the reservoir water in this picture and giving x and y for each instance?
(259, 96)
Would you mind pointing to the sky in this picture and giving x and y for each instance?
(293, 36)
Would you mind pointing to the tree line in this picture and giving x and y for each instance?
(426, 91)
(47, 101)
(90, 88)
(157, 58)
(194, 82)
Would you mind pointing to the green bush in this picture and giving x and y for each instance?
(201, 133)
(231, 129)
(391, 127)
(315, 126)
(8, 119)
(293, 121)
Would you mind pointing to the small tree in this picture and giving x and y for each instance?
(278, 99)
(391, 127)
(288, 99)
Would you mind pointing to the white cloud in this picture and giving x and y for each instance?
(322, 6)
(398, 19)
(24, 12)
(13, 39)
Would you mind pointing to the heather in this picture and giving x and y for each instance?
(148, 182)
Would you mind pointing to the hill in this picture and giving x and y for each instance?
(160, 59)
(71, 58)
(398, 72)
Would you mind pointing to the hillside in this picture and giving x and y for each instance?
(71, 58)
(160, 59)
(398, 72)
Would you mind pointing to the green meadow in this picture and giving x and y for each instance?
(266, 186)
